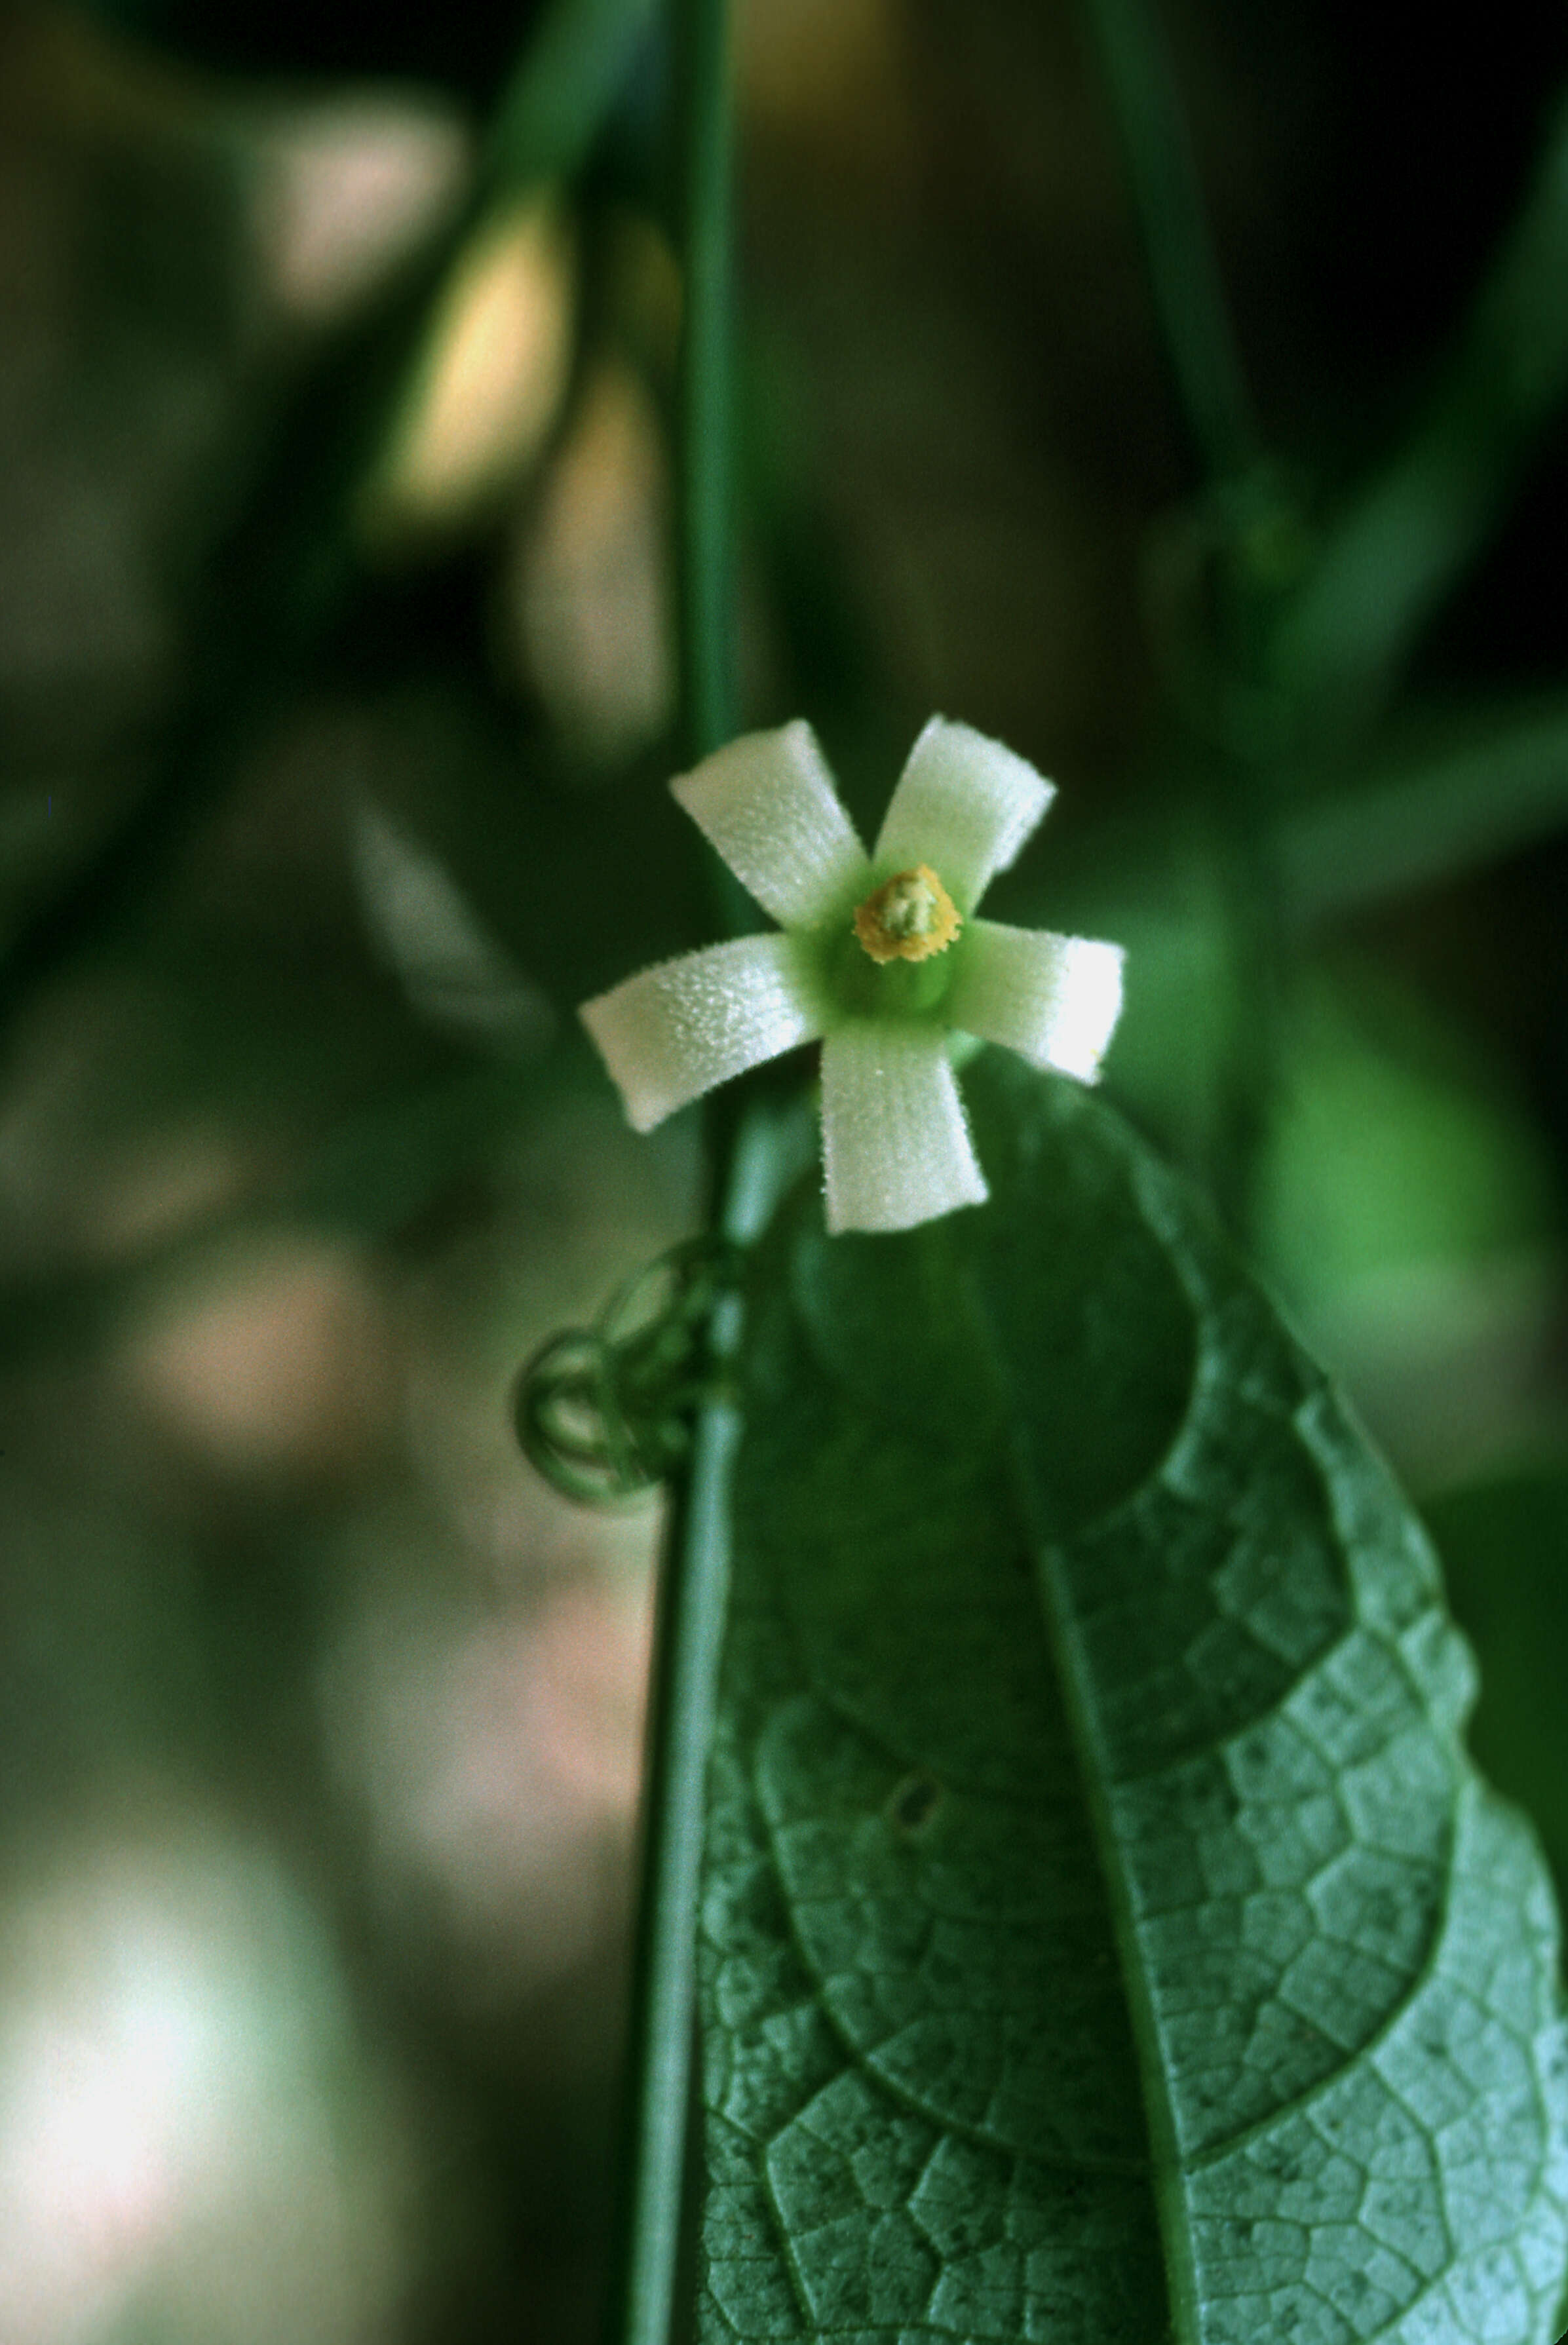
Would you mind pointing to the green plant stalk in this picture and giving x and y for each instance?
(692, 1608)
(1183, 274)
(693, 1591)
(704, 492)
(693, 1579)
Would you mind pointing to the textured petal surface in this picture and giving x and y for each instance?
(767, 802)
(674, 1030)
(1055, 999)
(965, 806)
(895, 1141)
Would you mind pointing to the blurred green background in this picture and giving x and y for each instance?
(1178, 398)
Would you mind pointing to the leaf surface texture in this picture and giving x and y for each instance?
(1104, 1936)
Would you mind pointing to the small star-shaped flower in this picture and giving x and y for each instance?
(879, 957)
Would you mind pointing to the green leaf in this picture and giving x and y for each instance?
(1104, 1936)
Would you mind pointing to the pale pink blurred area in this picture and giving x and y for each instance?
(277, 1356)
(493, 1750)
(483, 1696)
(193, 2138)
(344, 187)
(414, 1675)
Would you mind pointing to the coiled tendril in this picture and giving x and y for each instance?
(606, 1411)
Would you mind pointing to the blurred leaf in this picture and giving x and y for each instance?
(1449, 791)
(1484, 787)
(573, 70)
(1104, 1936)
(1411, 529)
(1394, 1143)
(1407, 1210)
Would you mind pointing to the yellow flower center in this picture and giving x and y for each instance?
(908, 918)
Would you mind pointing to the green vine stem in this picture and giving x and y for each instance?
(693, 1579)
(693, 1596)
(704, 550)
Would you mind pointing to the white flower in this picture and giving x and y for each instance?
(880, 957)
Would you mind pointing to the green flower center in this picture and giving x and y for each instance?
(900, 988)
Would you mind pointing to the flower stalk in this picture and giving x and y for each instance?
(694, 1570)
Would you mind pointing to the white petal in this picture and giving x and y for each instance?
(895, 1141)
(674, 1030)
(768, 803)
(1056, 999)
(964, 806)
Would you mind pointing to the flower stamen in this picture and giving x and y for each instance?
(910, 917)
